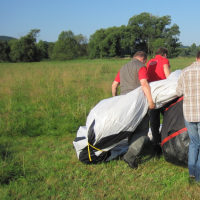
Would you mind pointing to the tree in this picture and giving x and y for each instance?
(144, 32)
(184, 52)
(154, 30)
(66, 48)
(4, 51)
(160, 42)
(42, 49)
(94, 45)
(50, 49)
(34, 33)
(189, 51)
(171, 40)
(193, 47)
(194, 50)
(144, 28)
(82, 43)
(128, 36)
(108, 42)
(24, 49)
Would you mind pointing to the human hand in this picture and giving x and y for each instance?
(151, 105)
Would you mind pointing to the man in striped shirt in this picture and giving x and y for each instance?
(189, 87)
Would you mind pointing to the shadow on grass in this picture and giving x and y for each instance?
(5, 152)
(148, 153)
(145, 155)
(12, 168)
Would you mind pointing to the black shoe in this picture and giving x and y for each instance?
(191, 180)
(192, 176)
(131, 164)
(157, 150)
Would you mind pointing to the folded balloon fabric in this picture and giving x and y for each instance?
(112, 120)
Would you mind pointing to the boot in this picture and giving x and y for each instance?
(130, 160)
(157, 150)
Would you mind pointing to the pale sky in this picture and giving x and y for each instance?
(18, 17)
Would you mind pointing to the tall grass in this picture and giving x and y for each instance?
(41, 107)
(50, 98)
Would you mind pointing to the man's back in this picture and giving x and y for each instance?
(129, 76)
(155, 68)
(189, 85)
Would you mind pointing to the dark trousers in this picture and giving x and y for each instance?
(154, 116)
(137, 139)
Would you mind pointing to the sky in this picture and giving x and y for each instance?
(18, 17)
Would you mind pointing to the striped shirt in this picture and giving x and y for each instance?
(189, 87)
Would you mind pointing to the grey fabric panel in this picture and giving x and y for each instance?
(137, 139)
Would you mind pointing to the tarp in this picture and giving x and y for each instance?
(174, 136)
(112, 120)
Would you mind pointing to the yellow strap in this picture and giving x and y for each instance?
(94, 148)
(89, 152)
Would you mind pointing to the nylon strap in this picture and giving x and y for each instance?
(94, 148)
(173, 135)
(180, 99)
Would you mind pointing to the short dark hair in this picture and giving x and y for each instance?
(161, 51)
(140, 54)
(198, 55)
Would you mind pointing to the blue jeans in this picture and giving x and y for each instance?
(194, 147)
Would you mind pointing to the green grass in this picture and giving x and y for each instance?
(41, 107)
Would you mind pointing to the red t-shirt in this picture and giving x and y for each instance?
(117, 78)
(142, 74)
(155, 68)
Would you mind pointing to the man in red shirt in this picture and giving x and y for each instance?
(131, 76)
(158, 69)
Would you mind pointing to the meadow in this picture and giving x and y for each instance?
(42, 106)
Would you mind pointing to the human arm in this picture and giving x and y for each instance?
(147, 91)
(115, 84)
(114, 88)
(179, 89)
(166, 70)
(143, 77)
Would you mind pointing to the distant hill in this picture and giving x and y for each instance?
(6, 38)
(46, 42)
(184, 46)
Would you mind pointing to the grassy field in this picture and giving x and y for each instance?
(41, 107)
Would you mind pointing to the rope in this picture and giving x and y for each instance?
(94, 148)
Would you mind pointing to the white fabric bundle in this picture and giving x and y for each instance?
(124, 113)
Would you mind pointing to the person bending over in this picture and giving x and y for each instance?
(158, 68)
(131, 76)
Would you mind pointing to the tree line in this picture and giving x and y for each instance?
(144, 32)
(25, 49)
(190, 51)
